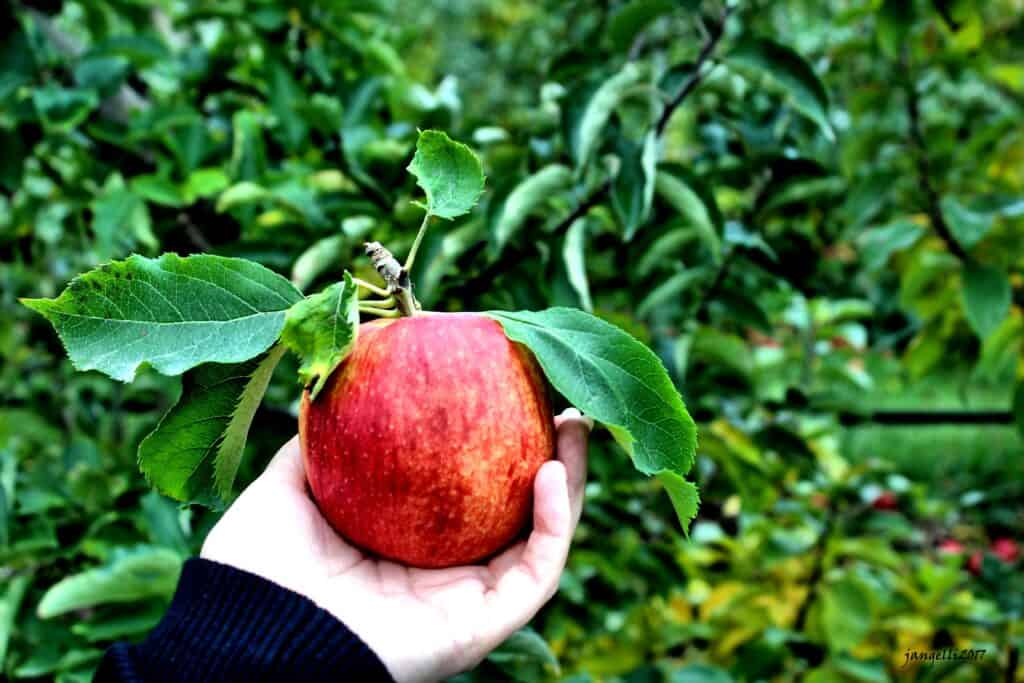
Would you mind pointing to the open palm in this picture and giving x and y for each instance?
(424, 624)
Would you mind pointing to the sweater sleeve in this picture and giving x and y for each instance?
(225, 624)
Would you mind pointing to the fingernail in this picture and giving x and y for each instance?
(574, 414)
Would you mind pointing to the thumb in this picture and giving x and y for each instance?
(287, 466)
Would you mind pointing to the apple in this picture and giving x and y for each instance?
(886, 500)
(424, 443)
(974, 562)
(1006, 549)
(951, 546)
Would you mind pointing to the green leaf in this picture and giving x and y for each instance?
(790, 72)
(525, 198)
(637, 15)
(700, 673)
(173, 313)
(613, 378)
(893, 22)
(194, 453)
(205, 182)
(670, 289)
(846, 613)
(119, 220)
(633, 188)
(248, 153)
(63, 109)
(526, 657)
(986, 296)
(664, 251)
(103, 74)
(683, 494)
(158, 190)
(439, 256)
(691, 207)
(322, 330)
(286, 100)
(130, 575)
(163, 521)
(877, 245)
(448, 172)
(574, 253)
(8, 476)
(242, 193)
(585, 137)
(10, 604)
(968, 227)
(316, 259)
(120, 625)
(1018, 407)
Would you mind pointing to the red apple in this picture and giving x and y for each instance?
(974, 562)
(1006, 549)
(951, 546)
(886, 500)
(424, 443)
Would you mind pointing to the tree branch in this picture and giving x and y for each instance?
(697, 75)
(584, 206)
(714, 36)
(924, 171)
(117, 107)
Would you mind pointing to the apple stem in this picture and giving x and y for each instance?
(396, 277)
(387, 302)
(411, 258)
(369, 286)
(379, 312)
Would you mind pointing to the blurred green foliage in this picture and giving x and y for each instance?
(812, 214)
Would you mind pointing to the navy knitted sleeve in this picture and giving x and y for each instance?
(225, 624)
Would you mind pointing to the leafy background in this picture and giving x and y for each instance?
(812, 212)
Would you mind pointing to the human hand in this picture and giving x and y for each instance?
(424, 624)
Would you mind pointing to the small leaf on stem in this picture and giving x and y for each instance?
(322, 329)
(449, 172)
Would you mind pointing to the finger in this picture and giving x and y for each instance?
(573, 430)
(287, 466)
(526, 576)
(573, 414)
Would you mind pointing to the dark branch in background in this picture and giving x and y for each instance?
(698, 73)
(927, 417)
(696, 76)
(589, 202)
(924, 170)
(195, 235)
(117, 107)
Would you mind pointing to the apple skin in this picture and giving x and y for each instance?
(886, 501)
(424, 443)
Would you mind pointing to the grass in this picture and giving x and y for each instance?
(953, 457)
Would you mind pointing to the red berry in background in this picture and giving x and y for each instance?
(886, 500)
(951, 546)
(840, 342)
(1006, 549)
(974, 563)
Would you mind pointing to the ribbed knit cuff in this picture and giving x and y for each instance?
(225, 624)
